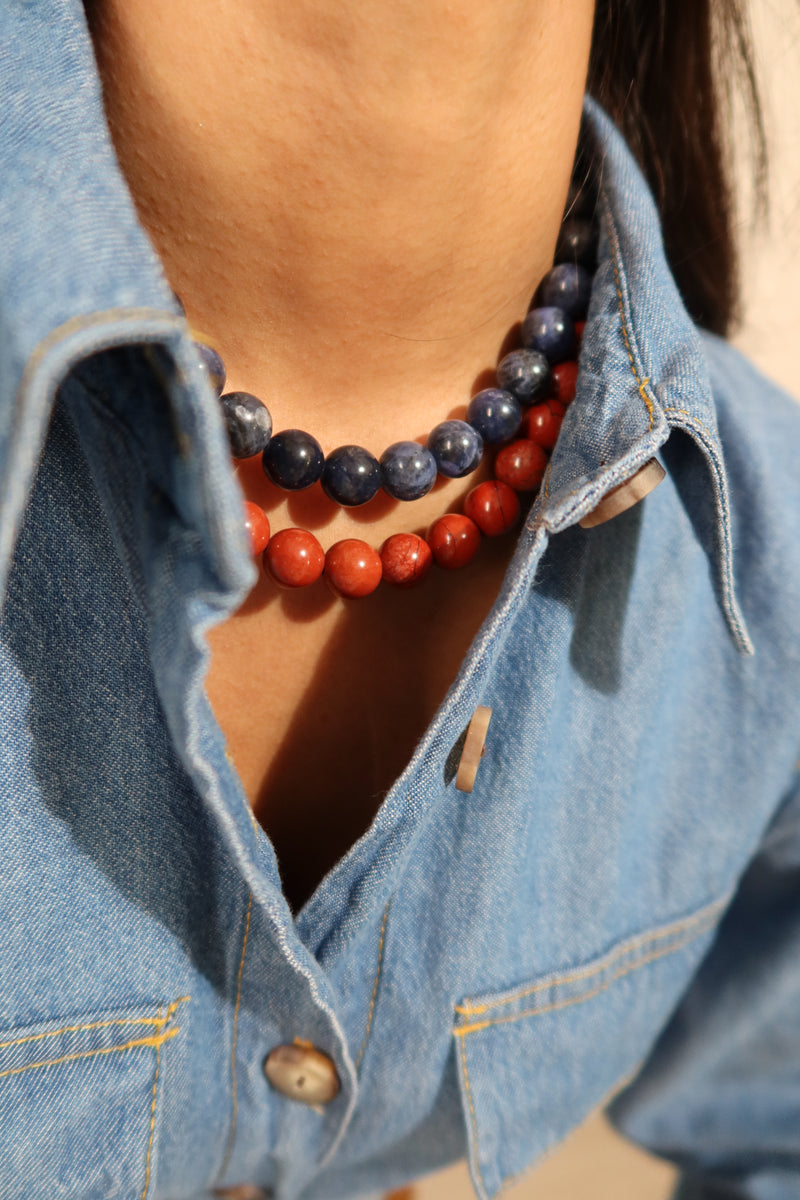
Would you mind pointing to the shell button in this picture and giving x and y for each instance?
(301, 1072)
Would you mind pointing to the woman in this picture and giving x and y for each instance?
(260, 939)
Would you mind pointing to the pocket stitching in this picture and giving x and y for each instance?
(157, 1040)
(691, 927)
(687, 923)
(158, 1021)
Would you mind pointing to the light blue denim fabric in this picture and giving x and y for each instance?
(617, 900)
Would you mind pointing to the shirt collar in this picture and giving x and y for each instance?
(78, 273)
(643, 375)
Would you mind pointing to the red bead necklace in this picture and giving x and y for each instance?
(294, 558)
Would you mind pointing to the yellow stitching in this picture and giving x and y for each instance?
(158, 1040)
(158, 1021)
(642, 383)
(235, 1100)
(546, 1008)
(374, 989)
(152, 1120)
(472, 1113)
(471, 1010)
(684, 412)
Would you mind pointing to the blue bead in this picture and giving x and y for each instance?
(577, 243)
(457, 448)
(248, 421)
(211, 365)
(568, 287)
(409, 471)
(551, 332)
(351, 475)
(526, 374)
(293, 459)
(495, 414)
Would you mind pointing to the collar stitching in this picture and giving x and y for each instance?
(642, 382)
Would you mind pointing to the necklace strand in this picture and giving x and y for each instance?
(520, 418)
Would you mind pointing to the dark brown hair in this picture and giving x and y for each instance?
(665, 70)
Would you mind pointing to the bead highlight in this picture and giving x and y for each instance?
(352, 568)
(294, 558)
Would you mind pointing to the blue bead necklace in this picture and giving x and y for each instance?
(350, 475)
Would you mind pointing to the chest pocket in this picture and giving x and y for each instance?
(79, 1102)
(534, 1061)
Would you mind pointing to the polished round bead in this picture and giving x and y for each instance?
(457, 448)
(352, 568)
(577, 243)
(551, 332)
(493, 506)
(579, 328)
(248, 422)
(294, 558)
(525, 373)
(521, 465)
(406, 559)
(256, 522)
(543, 423)
(568, 287)
(351, 475)
(211, 365)
(496, 414)
(563, 380)
(408, 470)
(454, 540)
(293, 460)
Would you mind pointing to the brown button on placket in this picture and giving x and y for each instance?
(301, 1072)
(243, 1191)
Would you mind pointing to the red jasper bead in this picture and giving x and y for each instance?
(493, 506)
(256, 522)
(543, 422)
(521, 465)
(352, 568)
(563, 378)
(454, 540)
(406, 559)
(579, 328)
(294, 558)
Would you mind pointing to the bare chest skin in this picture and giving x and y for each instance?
(322, 701)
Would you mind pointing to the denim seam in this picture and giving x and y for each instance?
(158, 1021)
(684, 412)
(642, 381)
(729, 603)
(156, 1041)
(663, 952)
(473, 1117)
(152, 1120)
(651, 937)
(234, 1043)
(375, 985)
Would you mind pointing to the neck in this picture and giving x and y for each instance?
(354, 200)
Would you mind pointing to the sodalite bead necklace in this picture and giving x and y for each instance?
(535, 383)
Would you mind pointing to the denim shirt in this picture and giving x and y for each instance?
(613, 912)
